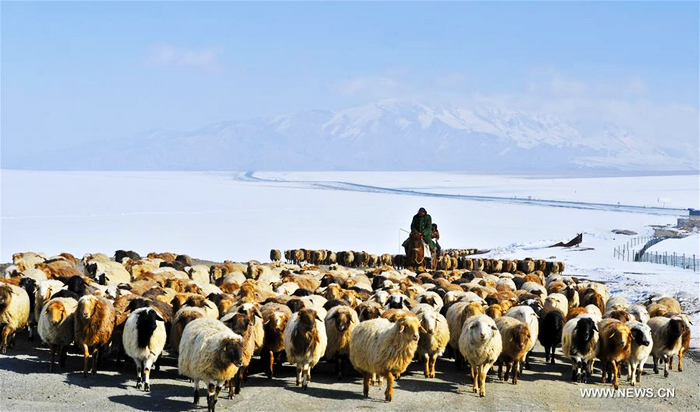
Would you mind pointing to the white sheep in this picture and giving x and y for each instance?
(209, 352)
(56, 327)
(143, 340)
(340, 322)
(434, 336)
(666, 334)
(14, 313)
(480, 344)
(579, 342)
(641, 349)
(305, 343)
(380, 347)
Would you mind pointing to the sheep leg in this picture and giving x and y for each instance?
(196, 392)
(680, 360)
(527, 361)
(433, 359)
(211, 398)
(656, 364)
(147, 376)
(500, 370)
(239, 380)
(95, 355)
(666, 362)
(86, 351)
(516, 369)
(483, 370)
(270, 371)
(507, 374)
(138, 375)
(631, 371)
(604, 367)
(575, 364)
(62, 355)
(365, 384)
(299, 375)
(426, 359)
(6, 332)
(616, 382)
(53, 350)
(475, 376)
(306, 376)
(389, 393)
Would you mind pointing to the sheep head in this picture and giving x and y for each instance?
(86, 306)
(56, 312)
(342, 320)
(409, 327)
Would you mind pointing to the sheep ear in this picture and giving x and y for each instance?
(257, 313)
(403, 326)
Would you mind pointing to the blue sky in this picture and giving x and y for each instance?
(74, 73)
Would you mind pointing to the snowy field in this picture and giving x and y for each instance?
(241, 216)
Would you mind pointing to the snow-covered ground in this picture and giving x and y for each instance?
(241, 216)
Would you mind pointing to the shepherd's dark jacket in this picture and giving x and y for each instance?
(423, 225)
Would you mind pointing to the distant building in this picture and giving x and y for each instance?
(690, 223)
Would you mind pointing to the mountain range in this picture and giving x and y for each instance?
(386, 135)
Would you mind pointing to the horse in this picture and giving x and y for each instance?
(415, 252)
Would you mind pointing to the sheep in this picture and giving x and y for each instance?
(639, 312)
(305, 342)
(380, 347)
(516, 339)
(199, 273)
(592, 297)
(550, 330)
(144, 339)
(369, 310)
(14, 313)
(685, 339)
(579, 341)
(275, 319)
(434, 336)
(242, 324)
(183, 316)
(614, 347)
(209, 352)
(340, 322)
(121, 255)
(527, 315)
(56, 327)
(480, 344)
(617, 302)
(666, 334)
(641, 349)
(431, 298)
(457, 314)
(275, 255)
(671, 303)
(556, 301)
(93, 326)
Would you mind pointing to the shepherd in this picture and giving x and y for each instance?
(423, 224)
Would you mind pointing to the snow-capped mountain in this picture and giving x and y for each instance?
(384, 135)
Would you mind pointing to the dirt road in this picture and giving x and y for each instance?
(27, 385)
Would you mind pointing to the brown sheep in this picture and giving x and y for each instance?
(275, 318)
(182, 318)
(241, 324)
(592, 297)
(614, 347)
(369, 310)
(671, 303)
(516, 340)
(94, 323)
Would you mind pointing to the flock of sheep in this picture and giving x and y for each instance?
(216, 318)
